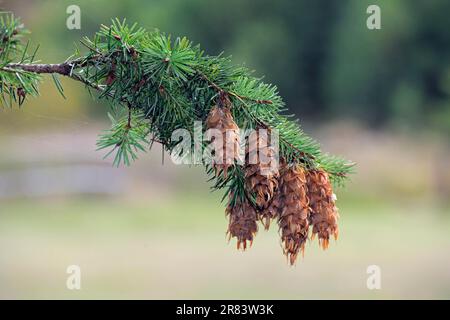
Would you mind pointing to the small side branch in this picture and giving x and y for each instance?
(62, 68)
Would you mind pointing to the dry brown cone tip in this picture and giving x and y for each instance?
(261, 174)
(242, 222)
(273, 211)
(220, 118)
(324, 213)
(294, 216)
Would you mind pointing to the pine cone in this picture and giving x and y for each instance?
(273, 211)
(242, 222)
(294, 217)
(220, 118)
(261, 170)
(324, 213)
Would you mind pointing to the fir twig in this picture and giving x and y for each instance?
(169, 83)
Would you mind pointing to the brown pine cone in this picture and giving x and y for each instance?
(261, 170)
(294, 217)
(220, 118)
(273, 211)
(242, 222)
(324, 213)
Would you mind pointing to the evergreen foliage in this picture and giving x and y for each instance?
(15, 83)
(156, 84)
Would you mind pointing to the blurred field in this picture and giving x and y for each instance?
(177, 249)
(160, 233)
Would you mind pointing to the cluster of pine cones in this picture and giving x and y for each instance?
(293, 196)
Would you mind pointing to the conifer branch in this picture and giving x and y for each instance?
(156, 85)
(127, 65)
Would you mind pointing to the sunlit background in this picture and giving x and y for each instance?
(154, 230)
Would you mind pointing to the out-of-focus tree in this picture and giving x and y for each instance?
(320, 54)
(397, 73)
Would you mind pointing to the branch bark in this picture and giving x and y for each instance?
(64, 69)
(61, 68)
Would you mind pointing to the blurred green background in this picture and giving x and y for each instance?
(378, 97)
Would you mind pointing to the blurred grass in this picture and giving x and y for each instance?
(176, 248)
